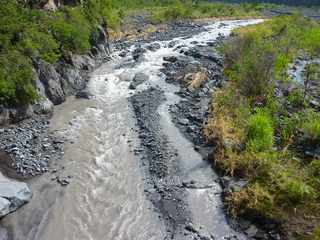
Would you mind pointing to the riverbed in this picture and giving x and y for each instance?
(133, 173)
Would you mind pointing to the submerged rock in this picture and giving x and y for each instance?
(138, 79)
(84, 94)
(137, 54)
(153, 46)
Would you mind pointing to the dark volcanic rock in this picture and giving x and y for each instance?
(138, 79)
(160, 160)
(84, 94)
(51, 79)
(204, 52)
(137, 54)
(154, 46)
(170, 59)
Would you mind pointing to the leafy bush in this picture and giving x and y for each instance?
(259, 133)
(174, 12)
(72, 30)
(311, 126)
(254, 199)
(39, 44)
(295, 191)
(16, 78)
(315, 168)
(296, 99)
(282, 185)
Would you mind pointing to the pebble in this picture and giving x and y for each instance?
(31, 146)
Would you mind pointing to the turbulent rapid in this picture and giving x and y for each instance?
(113, 193)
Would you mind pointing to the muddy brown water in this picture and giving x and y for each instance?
(106, 198)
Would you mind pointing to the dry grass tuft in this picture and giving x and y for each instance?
(195, 80)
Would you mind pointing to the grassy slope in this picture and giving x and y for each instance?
(262, 136)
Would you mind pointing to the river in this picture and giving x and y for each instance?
(107, 196)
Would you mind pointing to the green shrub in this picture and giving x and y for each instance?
(259, 132)
(175, 11)
(16, 79)
(315, 168)
(296, 191)
(296, 99)
(72, 31)
(39, 44)
(311, 126)
(288, 128)
(254, 199)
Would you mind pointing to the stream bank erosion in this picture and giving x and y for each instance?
(133, 152)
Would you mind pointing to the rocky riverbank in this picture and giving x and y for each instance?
(182, 187)
(27, 147)
(191, 112)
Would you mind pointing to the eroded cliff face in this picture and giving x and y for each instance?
(54, 82)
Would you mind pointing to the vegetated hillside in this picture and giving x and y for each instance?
(28, 33)
(285, 2)
(266, 124)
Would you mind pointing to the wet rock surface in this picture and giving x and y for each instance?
(190, 114)
(138, 79)
(164, 185)
(159, 159)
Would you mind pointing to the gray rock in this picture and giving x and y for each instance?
(170, 59)
(137, 54)
(184, 121)
(138, 79)
(82, 62)
(315, 104)
(153, 46)
(71, 79)
(252, 231)
(51, 80)
(17, 193)
(100, 41)
(84, 94)
(4, 207)
(172, 44)
(44, 106)
(4, 116)
(232, 185)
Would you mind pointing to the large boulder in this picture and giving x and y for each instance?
(137, 54)
(4, 116)
(100, 43)
(4, 207)
(44, 106)
(51, 81)
(138, 79)
(17, 193)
